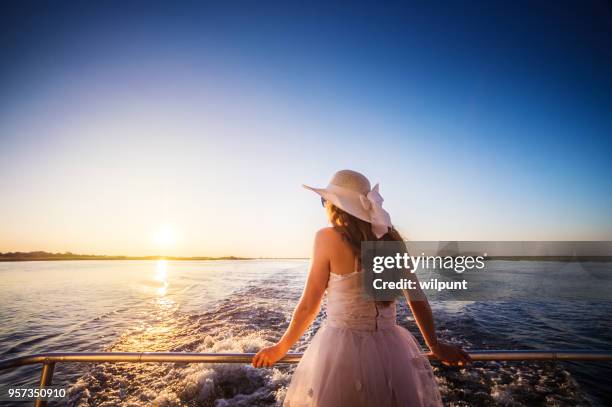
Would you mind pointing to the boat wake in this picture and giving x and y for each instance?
(255, 317)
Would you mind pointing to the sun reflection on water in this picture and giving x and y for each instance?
(161, 276)
(157, 328)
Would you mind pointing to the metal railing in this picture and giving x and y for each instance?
(48, 360)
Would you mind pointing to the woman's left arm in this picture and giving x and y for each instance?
(308, 306)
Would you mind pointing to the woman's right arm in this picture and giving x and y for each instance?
(310, 302)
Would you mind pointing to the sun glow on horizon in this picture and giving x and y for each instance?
(164, 237)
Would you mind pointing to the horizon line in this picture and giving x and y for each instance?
(41, 255)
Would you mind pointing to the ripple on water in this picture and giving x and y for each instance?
(252, 311)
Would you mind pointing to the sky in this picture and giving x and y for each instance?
(186, 128)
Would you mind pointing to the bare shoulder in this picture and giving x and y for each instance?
(330, 245)
(328, 235)
(328, 239)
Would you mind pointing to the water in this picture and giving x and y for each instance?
(239, 306)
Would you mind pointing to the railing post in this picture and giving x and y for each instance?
(46, 377)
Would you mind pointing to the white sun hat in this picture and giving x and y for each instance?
(351, 192)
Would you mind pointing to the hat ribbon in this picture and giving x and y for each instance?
(379, 218)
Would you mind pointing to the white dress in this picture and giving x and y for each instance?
(361, 357)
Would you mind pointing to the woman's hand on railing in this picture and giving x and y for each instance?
(450, 355)
(267, 357)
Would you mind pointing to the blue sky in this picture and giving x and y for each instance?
(481, 121)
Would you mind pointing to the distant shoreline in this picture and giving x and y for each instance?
(552, 258)
(45, 256)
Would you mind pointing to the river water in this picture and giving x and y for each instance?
(240, 306)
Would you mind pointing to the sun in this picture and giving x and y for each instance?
(164, 236)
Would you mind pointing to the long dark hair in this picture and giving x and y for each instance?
(354, 231)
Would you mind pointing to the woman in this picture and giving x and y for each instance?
(359, 357)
